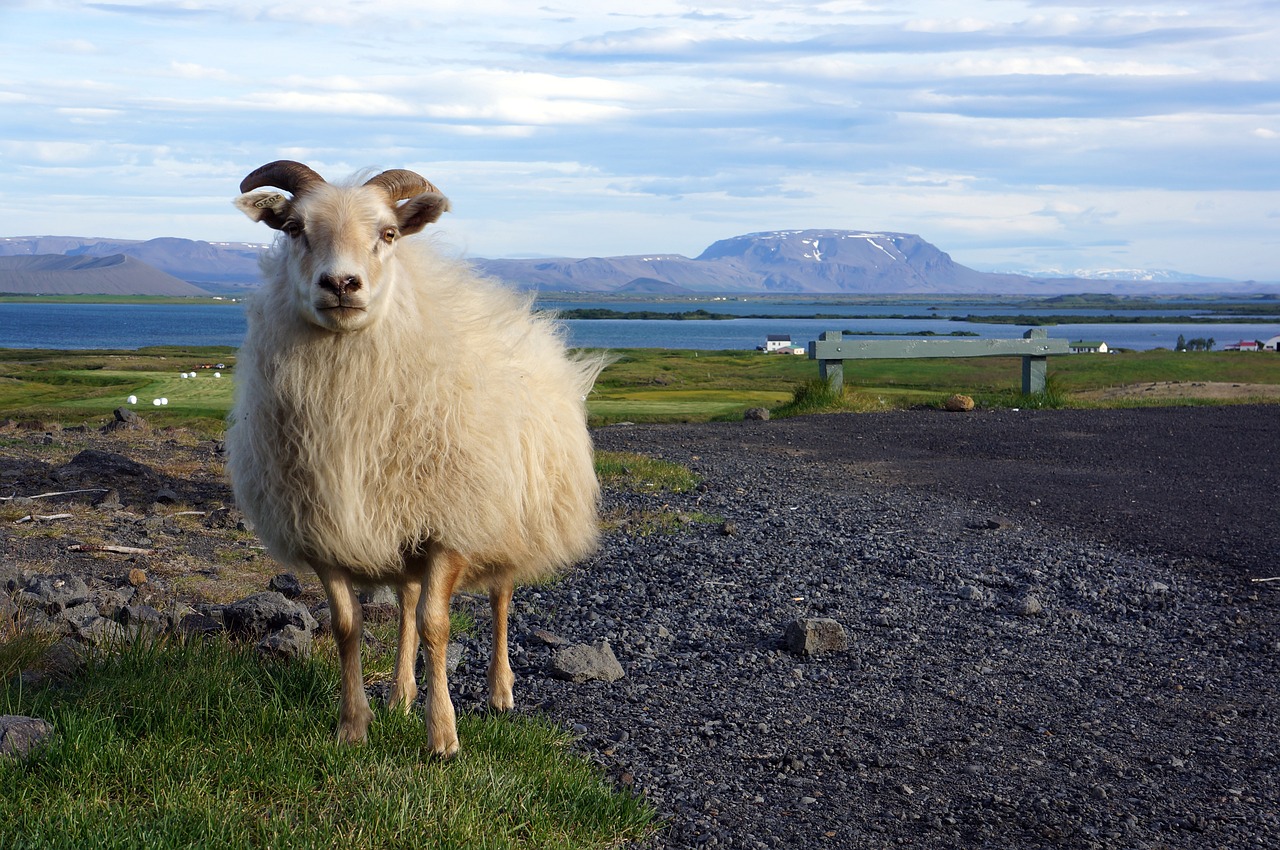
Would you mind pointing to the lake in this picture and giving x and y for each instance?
(129, 326)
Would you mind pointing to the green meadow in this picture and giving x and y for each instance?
(643, 385)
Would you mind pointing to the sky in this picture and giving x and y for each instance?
(1012, 134)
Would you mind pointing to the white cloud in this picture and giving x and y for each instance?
(196, 71)
(610, 128)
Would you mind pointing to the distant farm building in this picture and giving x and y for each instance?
(1272, 344)
(1244, 345)
(777, 342)
(1088, 346)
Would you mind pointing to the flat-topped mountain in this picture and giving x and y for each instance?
(776, 261)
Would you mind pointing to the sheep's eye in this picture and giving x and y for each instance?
(389, 235)
(293, 227)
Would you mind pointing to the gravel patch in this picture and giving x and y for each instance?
(1008, 682)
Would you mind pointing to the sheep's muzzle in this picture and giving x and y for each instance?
(339, 285)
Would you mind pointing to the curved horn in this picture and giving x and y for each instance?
(293, 177)
(400, 184)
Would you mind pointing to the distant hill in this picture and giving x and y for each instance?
(782, 261)
(649, 286)
(115, 274)
(215, 266)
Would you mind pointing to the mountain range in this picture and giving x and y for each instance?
(787, 261)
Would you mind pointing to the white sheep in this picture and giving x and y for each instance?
(400, 420)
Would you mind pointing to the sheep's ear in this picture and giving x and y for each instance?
(270, 208)
(420, 210)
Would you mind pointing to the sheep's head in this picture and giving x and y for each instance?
(340, 240)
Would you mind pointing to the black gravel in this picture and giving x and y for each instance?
(1054, 638)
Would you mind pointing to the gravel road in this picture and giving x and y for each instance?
(1054, 639)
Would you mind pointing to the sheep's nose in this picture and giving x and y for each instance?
(339, 284)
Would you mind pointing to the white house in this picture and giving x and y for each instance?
(777, 342)
(1082, 346)
(1243, 345)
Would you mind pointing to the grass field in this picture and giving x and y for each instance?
(644, 385)
(170, 744)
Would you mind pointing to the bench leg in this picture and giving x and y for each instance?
(832, 371)
(1034, 370)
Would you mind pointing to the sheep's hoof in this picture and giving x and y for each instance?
(348, 733)
(402, 699)
(445, 749)
(354, 730)
(501, 683)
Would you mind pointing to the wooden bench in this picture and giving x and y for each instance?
(1034, 348)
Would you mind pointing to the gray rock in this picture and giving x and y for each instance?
(287, 585)
(547, 638)
(80, 615)
(54, 593)
(972, 593)
(258, 615)
(585, 663)
(453, 655)
(1028, 606)
(63, 661)
(221, 518)
(380, 595)
(20, 735)
(12, 577)
(197, 625)
(287, 643)
(756, 414)
(125, 420)
(142, 615)
(100, 630)
(814, 635)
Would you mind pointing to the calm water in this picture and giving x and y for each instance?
(131, 326)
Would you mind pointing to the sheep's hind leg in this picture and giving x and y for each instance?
(442, 576)
(405, 688)
(348, 623)
(500, 677)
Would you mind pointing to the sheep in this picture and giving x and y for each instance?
(399, 420)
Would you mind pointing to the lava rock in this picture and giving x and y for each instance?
(20, 735)
(287, 585)
(262, 613)
(815, 635)
(585, 663)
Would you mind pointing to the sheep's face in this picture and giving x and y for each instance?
(339, 247)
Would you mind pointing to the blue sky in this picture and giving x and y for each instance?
(1028, 133)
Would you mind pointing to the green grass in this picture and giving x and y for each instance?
(78, 386)
(201, 744)
(643, 385)
(641, 473)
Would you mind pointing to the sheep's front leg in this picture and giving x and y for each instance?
(347, 622)
(405, 688)
(433, 623)
(501, 678)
